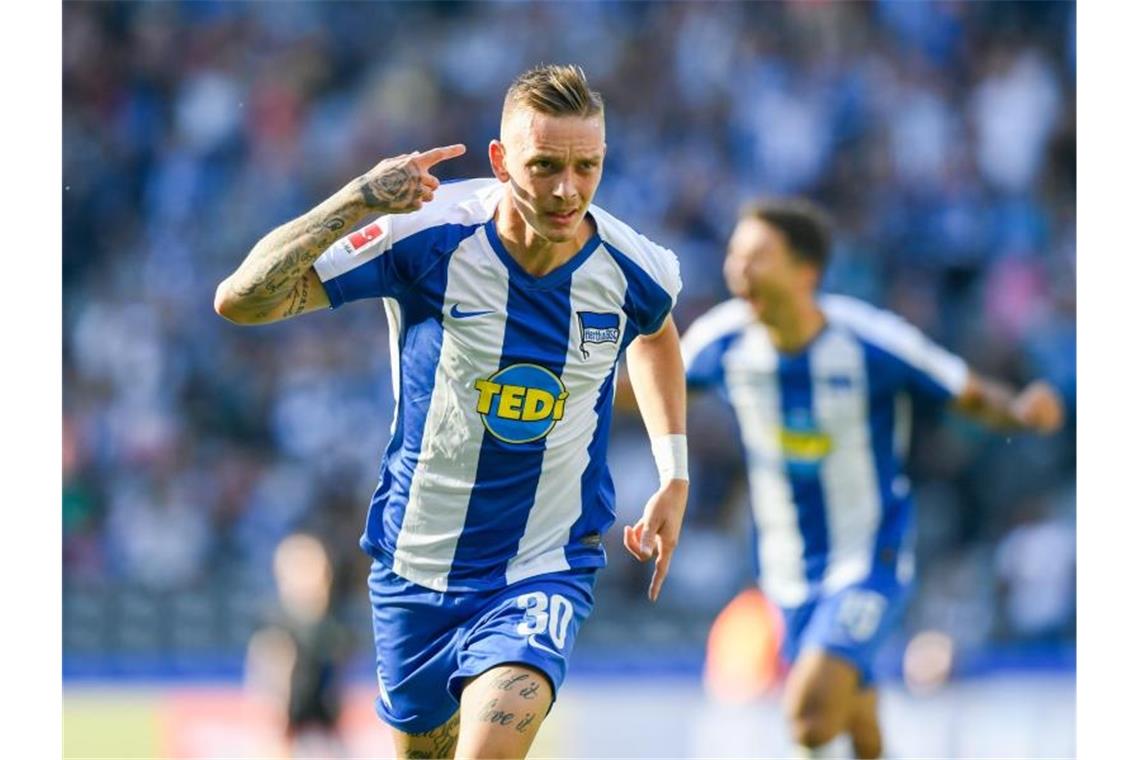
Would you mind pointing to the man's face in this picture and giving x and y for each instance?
(554, 165)
(760, 267)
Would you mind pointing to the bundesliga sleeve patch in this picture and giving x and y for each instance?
(597, 327)
(363, 237)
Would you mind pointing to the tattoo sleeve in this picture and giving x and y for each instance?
(273, 274)
(274, 271)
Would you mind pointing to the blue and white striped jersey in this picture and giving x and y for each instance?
(496, 469)
(826, 432)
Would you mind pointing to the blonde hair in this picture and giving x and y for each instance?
(554, 90)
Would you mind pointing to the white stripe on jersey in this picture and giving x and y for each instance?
(750, 376)
(596, 286)
(449, 454)
(850, 482)
(395, 332)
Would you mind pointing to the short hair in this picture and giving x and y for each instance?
(805, 225)
(554, 90)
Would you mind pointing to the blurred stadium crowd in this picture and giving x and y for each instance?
(941, 136)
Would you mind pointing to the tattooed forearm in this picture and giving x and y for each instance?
(298, 298)
(284, 255)
(269, 277)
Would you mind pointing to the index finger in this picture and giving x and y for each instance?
(660, 570)
(435, 155)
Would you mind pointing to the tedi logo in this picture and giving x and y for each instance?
(521, 403)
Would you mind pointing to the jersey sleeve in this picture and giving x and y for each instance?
(361, 265)
(935, 373)
(925, 369)
(703, 351)
(653, 307)
(928, 371)
(389, 255)
(653, 281)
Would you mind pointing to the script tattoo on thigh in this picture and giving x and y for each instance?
(507, 681)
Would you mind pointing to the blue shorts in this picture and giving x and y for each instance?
(428, 642)
(851, 623)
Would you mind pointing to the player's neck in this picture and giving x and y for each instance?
(794, 325)
(535, 254)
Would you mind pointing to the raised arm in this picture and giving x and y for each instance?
(657, 375)
(1036, 408)
(276, 281)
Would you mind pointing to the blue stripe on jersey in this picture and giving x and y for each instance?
(883, 383)
(420, 345)
(794, 374)
(537, 332)
(647, 303)
(597, 485)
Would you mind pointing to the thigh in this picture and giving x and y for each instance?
(438, 742)
(417, 634)
(863, 725)
(864, 712)
(501, 711)
(822, 687)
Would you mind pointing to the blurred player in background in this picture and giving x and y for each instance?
(295, 660)
(822, 387)
(510, 301)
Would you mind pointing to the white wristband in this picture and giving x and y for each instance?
(671, 452)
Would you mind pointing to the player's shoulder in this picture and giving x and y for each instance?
(725, 320)
(466, 202)
(871, 324)
(632, 247)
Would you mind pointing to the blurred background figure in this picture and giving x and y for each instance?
(941, 135)
(296, 661)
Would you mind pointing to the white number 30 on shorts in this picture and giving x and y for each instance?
(550, 615)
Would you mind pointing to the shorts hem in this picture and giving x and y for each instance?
(416, 725)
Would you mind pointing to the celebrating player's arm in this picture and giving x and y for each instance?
(657, 379)
(277, 280)
(1036, 408)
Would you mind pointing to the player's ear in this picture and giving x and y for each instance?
(497, 152)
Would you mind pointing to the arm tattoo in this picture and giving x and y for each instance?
(272, 270)
(298, 298)
(394, 188)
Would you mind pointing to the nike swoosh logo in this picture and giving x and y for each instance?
(457, 314)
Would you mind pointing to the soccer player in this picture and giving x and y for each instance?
(297, 658)
(822, 387)
(509, 301)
